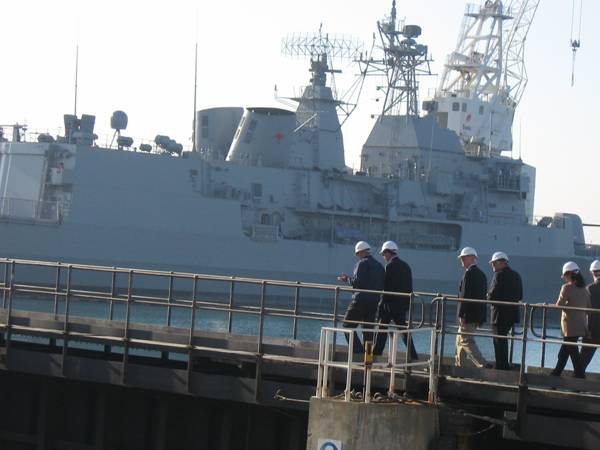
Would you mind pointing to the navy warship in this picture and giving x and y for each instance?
(266, 192)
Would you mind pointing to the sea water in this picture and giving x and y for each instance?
(278, 327)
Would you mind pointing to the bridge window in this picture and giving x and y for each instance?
(256, 190)
(265, 219)
(464, 107)
(455, 106)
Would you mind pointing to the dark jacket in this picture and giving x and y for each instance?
(398, 278)
(474, 286)
(594, 319)
(507, 287)
(368, 274)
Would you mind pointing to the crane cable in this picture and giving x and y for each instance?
(575, 43)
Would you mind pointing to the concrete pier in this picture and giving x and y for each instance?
(372, 426)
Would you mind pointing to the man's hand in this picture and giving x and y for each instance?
(343, 278)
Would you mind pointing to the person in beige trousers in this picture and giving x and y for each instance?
(573, 323)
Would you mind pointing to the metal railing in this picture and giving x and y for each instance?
(185, 299)
(390, 367)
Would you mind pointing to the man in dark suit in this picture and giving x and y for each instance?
(506, 286)
(398, 278)
(470, 315)
(587, 353)
(369, 275)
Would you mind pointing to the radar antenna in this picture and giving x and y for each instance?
(402, 62)
(323, 50)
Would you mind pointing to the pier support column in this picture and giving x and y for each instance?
(389, 426)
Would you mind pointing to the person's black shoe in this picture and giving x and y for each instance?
(555, 373)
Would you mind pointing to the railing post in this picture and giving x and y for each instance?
(523, 389)
(432, 396)
(4, 291)
(231, 303)
(169, 299)
(392, 354)
(321, 367)
(544, 335)
(336, 306)
(409, 337)
(191, 338)
(66, 324)
(11, 292)
(113, 292)
(325, 380)
(349, 368)
(522, 376)
(56, 291)
(296, 310)
(442, 331)
(126, 331)
(259, 350)
(111, 306)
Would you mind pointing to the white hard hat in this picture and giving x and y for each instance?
(389, 245)
(360, 246)
(468, 251)
(498, 256)
(595, 266)
(570, 267)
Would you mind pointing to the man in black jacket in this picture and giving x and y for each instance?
(587, 353)
(369, 275)
(470, 315)
(507, 287)
(398, 278)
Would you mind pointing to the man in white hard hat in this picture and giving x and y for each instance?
(587, 353)
(398, 278)
(369, 275)
(470, 315)
(506, 286)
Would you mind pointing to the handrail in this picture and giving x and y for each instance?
(121, 291)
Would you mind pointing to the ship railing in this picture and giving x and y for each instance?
(29, 210)
(331, 359)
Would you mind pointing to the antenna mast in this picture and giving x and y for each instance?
(76, 76)
(195, 95)
(402, 62)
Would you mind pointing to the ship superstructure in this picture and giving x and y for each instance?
(268, 193)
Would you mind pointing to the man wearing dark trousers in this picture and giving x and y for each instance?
(587, 353)
(506, 286)
(369, 275)
(470, 314)
(398, 278)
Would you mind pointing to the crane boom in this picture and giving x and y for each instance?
(484, 78)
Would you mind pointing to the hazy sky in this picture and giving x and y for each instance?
(138, 57)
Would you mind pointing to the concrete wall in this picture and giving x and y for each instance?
(362, 426)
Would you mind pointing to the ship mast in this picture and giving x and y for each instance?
(402, 62)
